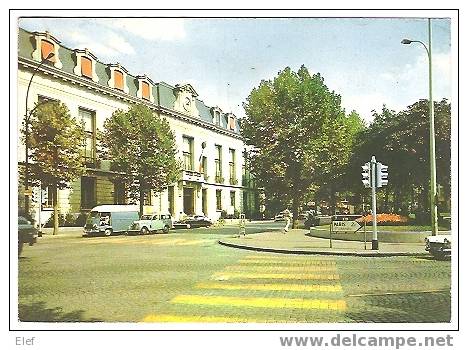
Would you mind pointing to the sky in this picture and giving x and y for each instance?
(361, 59)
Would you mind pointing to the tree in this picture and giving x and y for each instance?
(142, 147)
(292, 122)
(401, 140)
(55, 144)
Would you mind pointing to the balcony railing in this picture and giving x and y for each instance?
(219, 179)
(194, 176)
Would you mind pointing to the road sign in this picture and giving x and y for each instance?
(345, 226)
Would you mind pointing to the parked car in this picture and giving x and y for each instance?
(197, 221)
(151, 223)
(109, 219)
(439, 246)
(27, 233)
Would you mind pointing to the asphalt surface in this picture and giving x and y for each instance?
(186, 276)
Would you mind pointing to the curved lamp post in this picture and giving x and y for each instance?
(432, 156)
(27, 115)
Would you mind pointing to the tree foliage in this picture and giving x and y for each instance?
(55, 142)
(401, 140)
(142, 147)
(298, 134)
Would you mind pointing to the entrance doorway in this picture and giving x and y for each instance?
(189, 200)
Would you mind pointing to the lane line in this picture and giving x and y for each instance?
(288, 303)
(333, 288)
(201, 319)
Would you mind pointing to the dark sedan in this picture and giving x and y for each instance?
(27, 233)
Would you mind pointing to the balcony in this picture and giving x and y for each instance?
(193, 176)
(233, 181)
(219, 179)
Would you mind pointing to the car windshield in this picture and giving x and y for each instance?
(94, 214)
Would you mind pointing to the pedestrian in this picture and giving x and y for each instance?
(287, 217)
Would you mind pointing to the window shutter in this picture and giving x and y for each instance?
(145, 93)
(118, 80)
(46, 48)
(86, 67)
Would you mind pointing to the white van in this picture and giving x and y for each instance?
(109, 219)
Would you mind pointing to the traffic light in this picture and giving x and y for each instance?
(366, 175)
(382, 175)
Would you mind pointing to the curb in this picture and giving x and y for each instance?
(323, 252)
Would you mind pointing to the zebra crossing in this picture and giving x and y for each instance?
(262, 288)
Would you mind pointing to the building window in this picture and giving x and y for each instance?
(118, 80)
(232, 167)
(88, 192)
(218, 199)
(217, 118)
(47, 197)
(119, 192)
(145, 90)
(203, 166)
(218, 164)
(233, 198)
(187, 151)
(46, 48)
(86, 67)
(89, 121)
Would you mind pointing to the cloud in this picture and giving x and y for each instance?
(154, 29)
(110, 45)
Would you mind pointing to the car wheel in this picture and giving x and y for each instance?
(108, 232)
(144, 231)
(189, 226)
(166, 229)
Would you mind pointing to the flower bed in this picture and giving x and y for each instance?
(386, 219)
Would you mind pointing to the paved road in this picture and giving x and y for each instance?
(186, 276)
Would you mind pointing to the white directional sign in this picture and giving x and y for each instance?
(345, 226)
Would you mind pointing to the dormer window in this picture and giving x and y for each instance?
(46, 44)
(216, 113)
(46, 48)
(118, 77)
(145, 88)
(85, 64)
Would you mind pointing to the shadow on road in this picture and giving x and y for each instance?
(407, 308)
(38, 312)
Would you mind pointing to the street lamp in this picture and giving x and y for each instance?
(433, 193)
(27, 115)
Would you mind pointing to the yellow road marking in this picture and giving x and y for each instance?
(400, 292)
(295, 276)
(302, 268)
(286, 262)
(277, 287)
(296, 303)
(204, 319)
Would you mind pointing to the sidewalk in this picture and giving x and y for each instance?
(297, 242)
